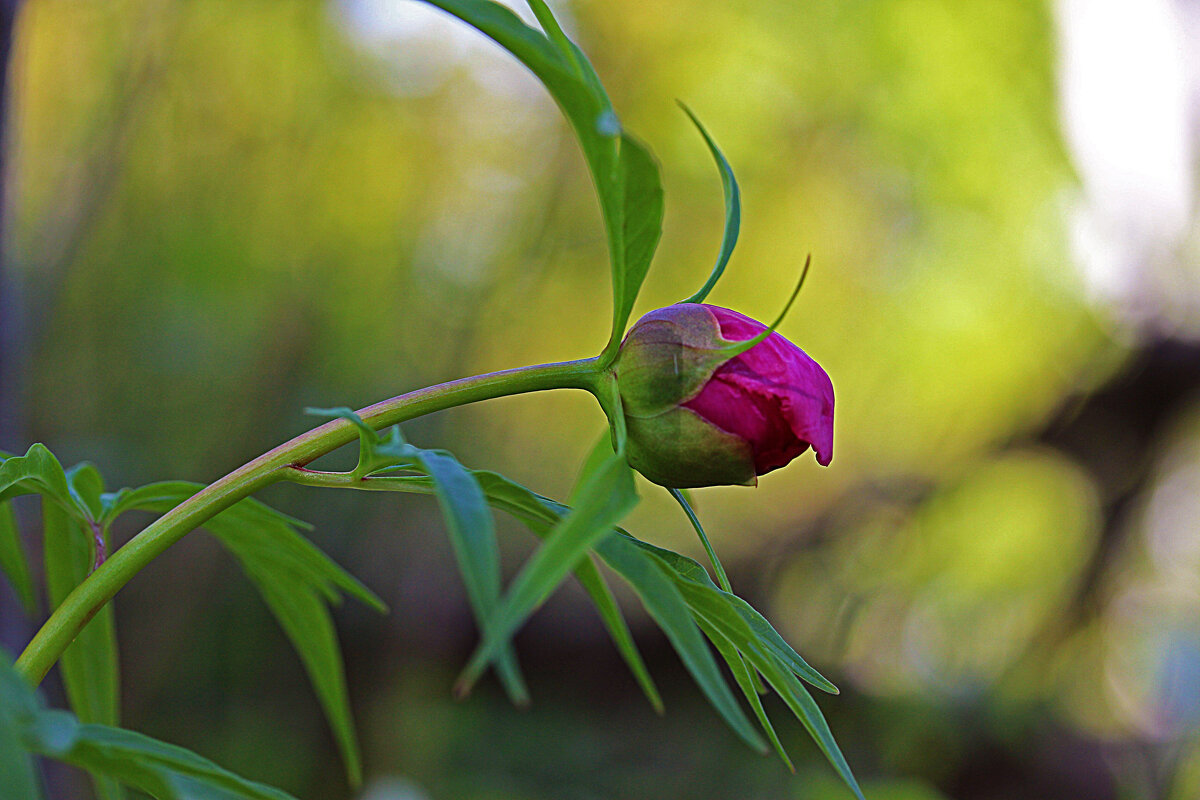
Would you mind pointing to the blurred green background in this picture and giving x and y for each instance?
(219, 213)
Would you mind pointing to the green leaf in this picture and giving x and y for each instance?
(733, 210)
(18, 708)
(38, 472)
(535, 511)
(111, 754)
(625, 176)
(606, 497)
(683, 600)
(468, 522)
(666, 605)
(683, 568)
(713, 608)
(746, 681)
(806, 710)
(89, 666)
(722, 578)
(473, 537)
(296, 580)
(86, 486)
(593, 583)
(13, 561)
(163, 771)
(641, 216)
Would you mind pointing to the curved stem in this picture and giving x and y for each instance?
(90, 596)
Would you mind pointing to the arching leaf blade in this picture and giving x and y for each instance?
(733, 210)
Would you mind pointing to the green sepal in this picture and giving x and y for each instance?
(680, 449)
(737, 348)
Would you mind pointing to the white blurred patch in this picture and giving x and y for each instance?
(1129, 76)
(392, 789)
(419, 47)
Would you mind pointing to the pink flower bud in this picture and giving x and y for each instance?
(698, 417)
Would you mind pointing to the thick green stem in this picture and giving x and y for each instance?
(90, 596)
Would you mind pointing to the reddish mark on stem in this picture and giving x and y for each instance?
(98, 537)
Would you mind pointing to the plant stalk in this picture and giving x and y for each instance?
(90, 596)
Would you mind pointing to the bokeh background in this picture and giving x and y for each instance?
(218, 213)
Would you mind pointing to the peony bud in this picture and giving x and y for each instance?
(698, 417)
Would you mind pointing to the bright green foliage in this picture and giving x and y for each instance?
(162, 770)
(296, 580)
(623, 171)
(682, 599)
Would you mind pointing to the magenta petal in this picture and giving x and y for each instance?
(774, 396)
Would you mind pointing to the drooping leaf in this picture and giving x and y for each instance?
(606, 497)
(468, 523)
(163, 771)
(529, 507)
(473, 537)
(797, 698)
(683, 600)
(684, 569)
(665, 604)
(296, 580)
(745, 678)
(13, 561)
(714, 610)
(89, 666)
(114, 755)
(733, 210)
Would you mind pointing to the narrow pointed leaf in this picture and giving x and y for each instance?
(686, 569)
(806, 710)
(13, 561)
(733, 210)
(468, 523)
(664, 603)
(295, 579)
(532, 509)
(473, 537)
(713, 607)
(607, 496)
(745, 678)
(89, 664)
(163, 771)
